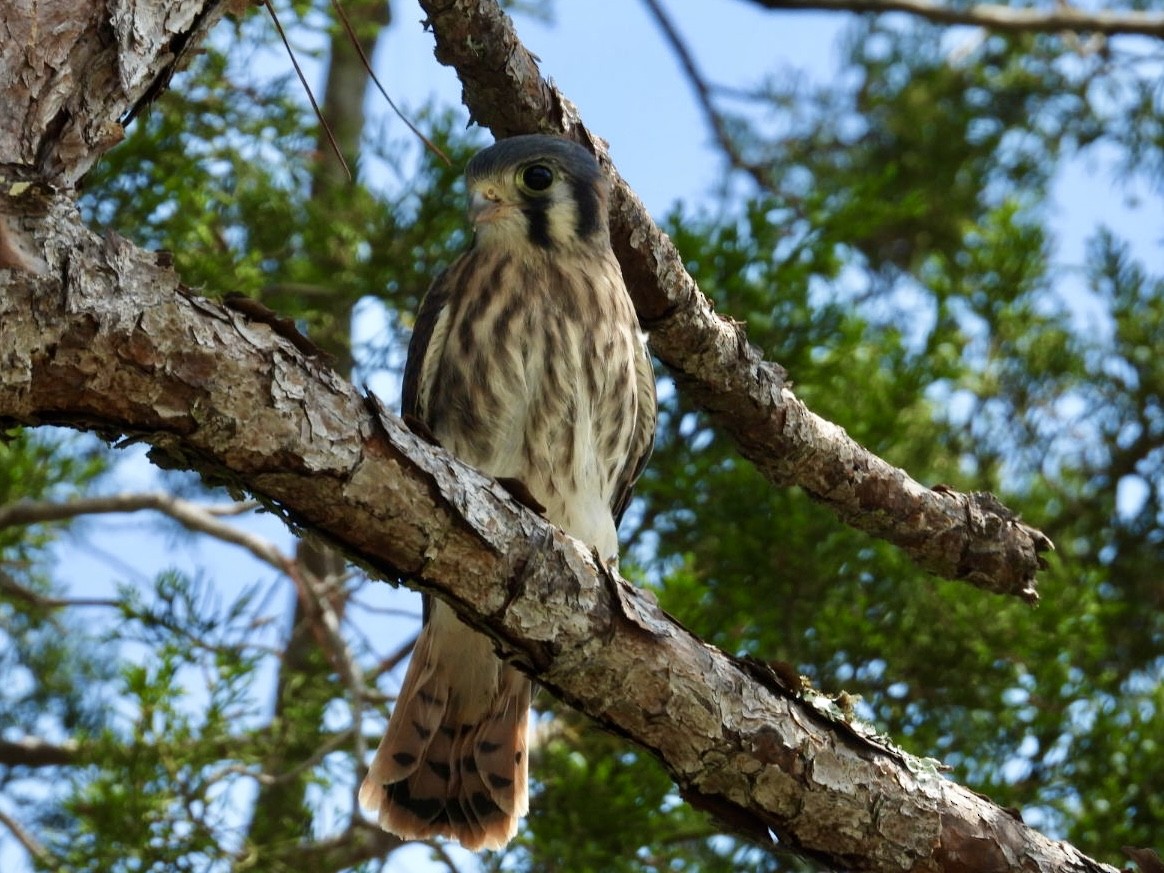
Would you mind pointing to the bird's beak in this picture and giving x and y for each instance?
(485, 206)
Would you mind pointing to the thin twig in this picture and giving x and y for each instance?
(319, 596)
(311, 97)
(433, 147)
(703, 95)
(9, 586)
(333, 743)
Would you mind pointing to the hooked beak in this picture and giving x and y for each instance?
(485, 206)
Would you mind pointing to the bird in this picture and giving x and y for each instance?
(528, 362)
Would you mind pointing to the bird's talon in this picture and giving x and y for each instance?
(422, 430)
(519, 492)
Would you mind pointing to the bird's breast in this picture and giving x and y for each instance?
(536, 381)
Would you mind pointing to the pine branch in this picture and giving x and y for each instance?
(1058, 18)
(100, 335)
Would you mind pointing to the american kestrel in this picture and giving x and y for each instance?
(527, 362)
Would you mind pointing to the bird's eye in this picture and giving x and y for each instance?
(537, 177)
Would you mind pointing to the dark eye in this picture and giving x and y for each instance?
(537, 177)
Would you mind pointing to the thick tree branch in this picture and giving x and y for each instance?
(1059, 17)
(98, 65)
(970, 537)
(105, 338)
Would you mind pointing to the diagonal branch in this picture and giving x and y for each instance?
(106, 339)
(31, 844)
(970, 537)
(1060, 17)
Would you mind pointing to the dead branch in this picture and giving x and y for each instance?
(192, 516)
(1057, 18)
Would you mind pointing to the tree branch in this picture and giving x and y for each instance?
(192, 516)
(30, 843)
(760, 175)
(970, 537)
(10, 587)
(35, 752)
(107, 339)
(1059, 17)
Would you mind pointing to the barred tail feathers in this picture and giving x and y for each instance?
(453, 761)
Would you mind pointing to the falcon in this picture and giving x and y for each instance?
(528, 363)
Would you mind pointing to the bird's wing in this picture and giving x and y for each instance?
(643, 441)
(427, 342)
(424, 350)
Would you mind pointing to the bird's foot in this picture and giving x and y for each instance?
(421, 429)
(519, 492)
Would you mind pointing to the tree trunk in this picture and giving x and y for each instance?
(281, 815)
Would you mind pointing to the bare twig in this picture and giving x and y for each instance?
(9, 586)
(30, 843)
(332, 743)
(442, 853)
(192, 516)
(1060, 17)
(432, 146)
(703, 93)
(303, 81)
(35, 752)
(321, 593)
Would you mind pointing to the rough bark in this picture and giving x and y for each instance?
(969, 537)
(97, 334)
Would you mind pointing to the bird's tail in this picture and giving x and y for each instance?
(453, 761)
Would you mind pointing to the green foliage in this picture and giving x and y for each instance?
(159, 782)
(50, 681)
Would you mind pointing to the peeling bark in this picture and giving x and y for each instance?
(75, 72)
(968, 537)
(100, 335)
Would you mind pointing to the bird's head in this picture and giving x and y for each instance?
(540, 191)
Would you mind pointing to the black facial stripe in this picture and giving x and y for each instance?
(536, 213)
(586, 201)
